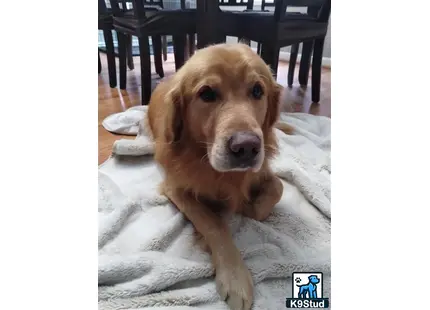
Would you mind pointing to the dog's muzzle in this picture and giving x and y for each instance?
(244, 148)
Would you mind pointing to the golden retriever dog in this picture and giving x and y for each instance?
(212, 124)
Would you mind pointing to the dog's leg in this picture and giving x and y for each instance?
(285, 128)
(270, 192)
(233, 279)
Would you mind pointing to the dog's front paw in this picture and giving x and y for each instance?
(234, 284)
(256, 210)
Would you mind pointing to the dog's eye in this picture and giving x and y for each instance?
(208, 94)
(257, 91)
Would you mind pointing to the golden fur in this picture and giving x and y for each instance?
(190, 137)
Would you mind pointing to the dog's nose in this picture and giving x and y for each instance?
(244, 145)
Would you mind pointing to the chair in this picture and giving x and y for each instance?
(264, 5)
(294, 51)
(157, 5)
(246, 5)
(278, 29)
(306, 56)
(159, 45)
(105, 23)
(143, 22)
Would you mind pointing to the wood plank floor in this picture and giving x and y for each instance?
(115, 100)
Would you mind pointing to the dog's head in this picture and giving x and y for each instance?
(225, 100)
(314, 279)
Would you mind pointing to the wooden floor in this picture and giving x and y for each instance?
(116, 100)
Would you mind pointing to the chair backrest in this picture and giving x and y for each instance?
(248, 4)
(303, 3)
(324, 13)
(138, 7)
(102, 7)
(267, 4)
(120, 7)
(320, 8)
(153, 4)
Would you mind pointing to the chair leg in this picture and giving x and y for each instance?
(145, 69)
(292, 63)
(164, 47)
(305, 63)
(122, 51)
(316, 69)
(192, 44)
(130, 62)
(270, 55)
(179, 42)
(100, 63)
(110, 53)
(187, 48)
(158, 55)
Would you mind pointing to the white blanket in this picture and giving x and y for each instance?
(147, 252)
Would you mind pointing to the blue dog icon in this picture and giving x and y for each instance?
(310, 289)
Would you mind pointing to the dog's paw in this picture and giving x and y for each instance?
(248, 210)
(235, 286)
(256, 210)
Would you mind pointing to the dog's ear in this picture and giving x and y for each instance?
(273, 105)
(173, 118)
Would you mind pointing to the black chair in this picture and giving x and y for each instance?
(158, 54)
(264, 7)
(157, 41)
(145, 22)
(245, 5)
(105, 23)
(278, 29)
(306, 49)
(305, 61)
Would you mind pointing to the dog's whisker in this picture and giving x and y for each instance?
(206, 156)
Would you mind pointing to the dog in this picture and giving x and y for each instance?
(213, 125)
(310, 289)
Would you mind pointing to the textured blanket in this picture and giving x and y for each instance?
(147, 253)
